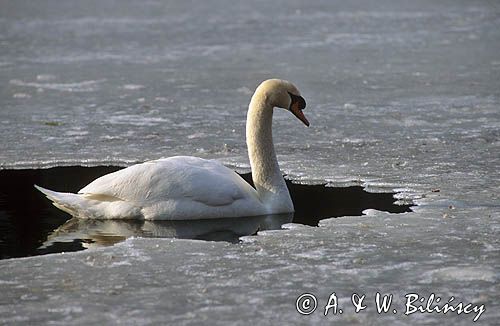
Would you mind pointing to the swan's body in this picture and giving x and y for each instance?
(179, 188)
(185, 187)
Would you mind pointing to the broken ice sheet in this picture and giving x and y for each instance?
(424, 83)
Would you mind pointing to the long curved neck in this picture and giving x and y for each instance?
(266, 175)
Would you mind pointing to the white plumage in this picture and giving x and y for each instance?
(179, 187)
(185, 187)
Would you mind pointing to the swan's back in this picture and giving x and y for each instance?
(178, 187)
(175, 188)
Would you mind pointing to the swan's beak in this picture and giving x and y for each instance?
(298, 104)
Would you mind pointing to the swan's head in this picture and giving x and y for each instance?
(283, 94)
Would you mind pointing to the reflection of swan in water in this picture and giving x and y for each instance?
(98, 233)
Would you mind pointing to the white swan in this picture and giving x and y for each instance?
(185, 187)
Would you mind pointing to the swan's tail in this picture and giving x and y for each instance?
(65, 201)
(92, 205)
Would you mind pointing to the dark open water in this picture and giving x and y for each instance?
(27, 218)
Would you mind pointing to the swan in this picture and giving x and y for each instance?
(188, 188)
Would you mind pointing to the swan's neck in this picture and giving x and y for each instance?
(266, 174)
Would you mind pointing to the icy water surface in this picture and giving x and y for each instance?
(30, 225)
(403, 96)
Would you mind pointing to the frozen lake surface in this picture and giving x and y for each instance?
(402, 96)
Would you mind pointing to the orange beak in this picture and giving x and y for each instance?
(298, 104)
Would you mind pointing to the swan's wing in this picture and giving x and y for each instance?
(175, 178)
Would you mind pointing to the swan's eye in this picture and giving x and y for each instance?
(298, 102)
